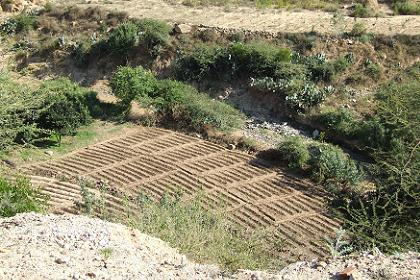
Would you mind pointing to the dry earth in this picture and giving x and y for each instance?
(33, 246)
(253, 19)
(157, 161)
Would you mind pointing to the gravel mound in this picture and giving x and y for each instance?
(35, 246)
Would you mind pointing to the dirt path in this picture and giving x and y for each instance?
(263, 20)
(158, 161)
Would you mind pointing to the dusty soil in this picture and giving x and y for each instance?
(252, 19)
(157, 161)
(34, 246)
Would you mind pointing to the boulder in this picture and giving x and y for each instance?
(182, 28)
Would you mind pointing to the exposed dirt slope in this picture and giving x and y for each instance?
(33, 246)
(157, 161)
(263, 20)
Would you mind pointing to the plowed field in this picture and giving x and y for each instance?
(157, 161)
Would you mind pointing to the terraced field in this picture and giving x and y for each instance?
(157, 161)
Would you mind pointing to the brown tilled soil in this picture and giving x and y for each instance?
(157, 161)
(252, 19)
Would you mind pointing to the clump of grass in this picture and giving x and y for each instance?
(18, 196)
(205, 235)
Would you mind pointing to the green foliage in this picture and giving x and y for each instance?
(200, 64)
(388, 218)
(362, 11)
(129, 83)
(64, 107)
(153, 34)
(298, 94)
(176, 101)
(123, 38)
(36, 117)
(302, 95)
(341, 121)
(406, 7)
(342, 63)
(294, 151)
(20, 23)
(373, 69)
(340, 245)
(334, 168)
(187, 225)
(289, 71)
(80, 53)
(18, 195)
(255, 59)
(319, 68)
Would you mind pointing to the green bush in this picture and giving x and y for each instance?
(257, 59)
(17, 196)
(81, 52)
(319, 68)
(294, 151)
(289, 71)
(64, 107)
(177, 101)
(362, 11)
(27, 117)
(153, 34)
(124, 38)
(359, 29)
(129, 83)
(334, 168)
(301, 95)
(389, 217)
(341, 121)
(406, 7)
(342, 63)
(200, 64)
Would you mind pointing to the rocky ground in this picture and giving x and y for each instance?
(35, 246)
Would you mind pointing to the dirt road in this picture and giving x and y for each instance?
(262, 20)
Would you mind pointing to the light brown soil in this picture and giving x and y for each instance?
(262, 20)
(157, 161)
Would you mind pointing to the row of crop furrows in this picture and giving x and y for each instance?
(156, 161)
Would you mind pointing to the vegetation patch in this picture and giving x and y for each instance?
(42, 116)
(18, 196)
(187, 225)
(174, 101)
